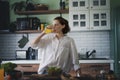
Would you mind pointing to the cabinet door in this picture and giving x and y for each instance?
(100, 19)
(79, 20)
(78, 4)
(99, 4)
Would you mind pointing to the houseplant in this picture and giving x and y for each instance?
(9, 69)
(18, 6)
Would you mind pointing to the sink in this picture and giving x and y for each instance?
(94, 59)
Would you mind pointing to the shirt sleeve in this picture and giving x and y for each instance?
(74, 55)
(42, 42)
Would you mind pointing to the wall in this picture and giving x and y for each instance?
(84, 41)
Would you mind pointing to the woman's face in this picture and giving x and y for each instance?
(57, 27)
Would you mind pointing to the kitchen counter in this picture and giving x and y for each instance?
(38, 61)
(80, 61)
(23, 61)
(96, 61)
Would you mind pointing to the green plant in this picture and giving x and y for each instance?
(54, 71)
(18, 6)
(8, 67)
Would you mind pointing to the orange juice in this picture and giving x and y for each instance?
(47, 30)
(1, 74)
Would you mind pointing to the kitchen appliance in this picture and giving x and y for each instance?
(28, 23)
(20, 54)
(31, 54)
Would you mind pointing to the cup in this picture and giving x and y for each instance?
(49, 29)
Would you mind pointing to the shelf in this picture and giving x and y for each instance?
(42, 12)
(20, 32)
(28, 31)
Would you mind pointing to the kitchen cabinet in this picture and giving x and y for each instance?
(93, 69)
(89, 4)
(89, 15)
(27, 68)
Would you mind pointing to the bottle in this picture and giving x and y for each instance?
(63, 5)
(60, 4)
(42, 27)
(66, 4)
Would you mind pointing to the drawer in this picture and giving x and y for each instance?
(27, 67)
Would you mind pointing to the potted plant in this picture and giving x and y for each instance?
(18, 6)
(9, 69)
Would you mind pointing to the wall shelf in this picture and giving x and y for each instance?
(42, 12)
(20, 32)
(27, 31)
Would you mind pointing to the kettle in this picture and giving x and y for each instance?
(30, 54)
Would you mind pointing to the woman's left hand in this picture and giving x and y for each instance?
(78, 72)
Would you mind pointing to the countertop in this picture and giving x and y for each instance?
(38, 61)
(23, 61)
(96, 61)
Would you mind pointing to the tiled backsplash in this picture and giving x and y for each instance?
(85, 41)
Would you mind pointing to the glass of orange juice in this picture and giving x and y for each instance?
(49, 29)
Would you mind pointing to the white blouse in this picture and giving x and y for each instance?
(57, 52)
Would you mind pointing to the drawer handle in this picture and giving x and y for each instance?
(26, 66)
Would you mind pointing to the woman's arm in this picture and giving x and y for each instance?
(74, 55)
(37, 40)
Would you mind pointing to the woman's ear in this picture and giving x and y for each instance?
(63, 26)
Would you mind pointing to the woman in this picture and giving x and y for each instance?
(57, 48)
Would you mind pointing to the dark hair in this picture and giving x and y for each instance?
(63, 21)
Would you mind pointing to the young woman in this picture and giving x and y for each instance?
(58, 50)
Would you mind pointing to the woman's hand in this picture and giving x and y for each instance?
(78, 72)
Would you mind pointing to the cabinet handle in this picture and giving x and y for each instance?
(26, 66)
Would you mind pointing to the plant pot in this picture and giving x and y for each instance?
(14, 75)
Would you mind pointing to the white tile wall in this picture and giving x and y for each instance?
(85, 41)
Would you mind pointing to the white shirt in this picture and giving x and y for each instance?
(57, 52)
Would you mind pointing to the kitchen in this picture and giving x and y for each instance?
(102, 41)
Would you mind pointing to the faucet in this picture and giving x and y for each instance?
(89, 53)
